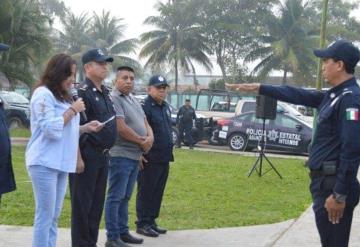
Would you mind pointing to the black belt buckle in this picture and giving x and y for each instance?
(329, 167)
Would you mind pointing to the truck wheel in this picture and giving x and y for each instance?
(237, 142)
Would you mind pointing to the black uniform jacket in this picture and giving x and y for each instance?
(98, 107)
(159, 118)
(7, 180)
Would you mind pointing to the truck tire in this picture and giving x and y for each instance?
(237, 142)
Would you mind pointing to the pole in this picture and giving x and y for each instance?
(319, 80)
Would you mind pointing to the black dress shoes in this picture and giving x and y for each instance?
(158, 229)
(128, 238)
(147, 231)
(115, 243)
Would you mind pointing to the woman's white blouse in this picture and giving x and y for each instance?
(51, 143)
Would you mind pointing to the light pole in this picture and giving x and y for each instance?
(319, 80)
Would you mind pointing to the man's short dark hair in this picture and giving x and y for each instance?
(187, 100)
(127, 68)
(348, 68)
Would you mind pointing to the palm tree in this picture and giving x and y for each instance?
(27, 33)
(287, 46)
(75, 38)
(75, 34)
(107, 33)
(177, 41)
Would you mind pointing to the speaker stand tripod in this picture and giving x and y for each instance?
(262, 156)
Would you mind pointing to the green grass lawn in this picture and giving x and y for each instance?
(20, 132)
(204, 190)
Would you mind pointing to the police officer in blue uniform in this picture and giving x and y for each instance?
(88, 188)
(184, 120)
(335, 153)
(7, 180)
(155, 166)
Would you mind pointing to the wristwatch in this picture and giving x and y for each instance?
(339, 198)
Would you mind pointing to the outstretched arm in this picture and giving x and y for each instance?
(289, 94)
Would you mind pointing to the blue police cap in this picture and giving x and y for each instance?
(341, 50)
(158, 80)
(4, 47)
(96, 55)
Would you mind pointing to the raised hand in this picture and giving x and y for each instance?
(245, 87)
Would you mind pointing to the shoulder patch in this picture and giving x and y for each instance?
(352, 114)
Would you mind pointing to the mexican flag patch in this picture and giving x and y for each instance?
(352, 114)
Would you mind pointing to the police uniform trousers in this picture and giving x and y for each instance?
(334, 235)
(7, 180)
(87, 192)
(185, 128)
(151, 185)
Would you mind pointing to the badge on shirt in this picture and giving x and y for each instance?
(352, 114)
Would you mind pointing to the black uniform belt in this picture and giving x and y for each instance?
(320, 173)
(99, 149)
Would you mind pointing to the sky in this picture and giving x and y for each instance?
(134, 13)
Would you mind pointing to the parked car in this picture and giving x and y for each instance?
(248, 105)
(17, 109)
(285, 133)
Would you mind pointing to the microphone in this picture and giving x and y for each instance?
(75, 96)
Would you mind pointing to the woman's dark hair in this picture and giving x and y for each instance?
(58, 69)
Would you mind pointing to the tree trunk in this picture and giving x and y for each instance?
(220, 60)
(176, 75)
(284, 79)
(196, 83)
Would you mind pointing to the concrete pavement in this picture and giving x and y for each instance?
(292, 233)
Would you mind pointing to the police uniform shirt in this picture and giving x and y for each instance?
(98, 107)
(337, 136)
(159, 118)
(186, 115)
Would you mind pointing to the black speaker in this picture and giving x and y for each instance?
(265, 107)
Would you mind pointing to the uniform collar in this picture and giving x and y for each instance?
(343, 86)
(91, 85)
(153, 102)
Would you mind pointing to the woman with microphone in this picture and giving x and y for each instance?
(52, 151)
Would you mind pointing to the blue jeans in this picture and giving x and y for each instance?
(49, 187)
(121, 179)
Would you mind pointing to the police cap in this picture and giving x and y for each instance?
(96, 55)
(157, 81)
(341, 50)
